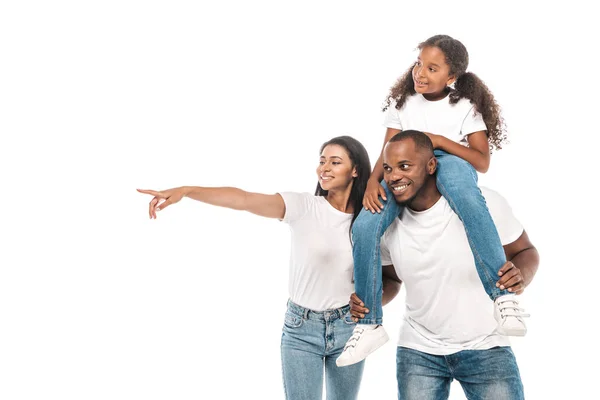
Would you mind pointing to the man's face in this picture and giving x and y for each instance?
(406, 169)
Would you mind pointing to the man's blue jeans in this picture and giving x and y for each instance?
(310, 344)
(457, 182)
(483, 374)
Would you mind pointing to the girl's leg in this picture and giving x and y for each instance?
(366, 235)
(457, 182)
(368, 335)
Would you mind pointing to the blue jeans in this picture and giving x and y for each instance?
(457, 182)
(310, 344)
(483, 374)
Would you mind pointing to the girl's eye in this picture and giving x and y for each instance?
(432, 70)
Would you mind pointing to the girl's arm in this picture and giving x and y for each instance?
(374, 189)
(265, 205)
(377, 174)
(477, 154)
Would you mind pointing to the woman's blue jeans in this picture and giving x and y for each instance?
(310, 344)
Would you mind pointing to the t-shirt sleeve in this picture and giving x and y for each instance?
(296, 205)
(392, 118)
(472, 123)
(386, 258)
(509, 227)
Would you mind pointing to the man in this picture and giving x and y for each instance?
(448, 331)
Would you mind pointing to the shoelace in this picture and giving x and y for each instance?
(354, 338)
(512, 309)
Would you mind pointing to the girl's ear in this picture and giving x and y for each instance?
(451, 80)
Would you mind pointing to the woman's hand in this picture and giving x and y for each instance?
(371, 199)
(170, 196)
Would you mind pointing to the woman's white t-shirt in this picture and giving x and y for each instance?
(321, 263)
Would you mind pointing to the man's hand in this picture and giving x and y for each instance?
(511, 278)
(357, 308)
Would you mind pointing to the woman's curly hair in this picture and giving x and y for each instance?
(467, 85)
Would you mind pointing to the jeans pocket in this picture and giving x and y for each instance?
(347, 318)
(292, 321)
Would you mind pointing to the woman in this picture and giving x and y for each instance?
(321, 266)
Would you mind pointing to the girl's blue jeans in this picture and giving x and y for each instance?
(457, 182)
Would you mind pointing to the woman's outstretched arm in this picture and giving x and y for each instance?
(265, 205)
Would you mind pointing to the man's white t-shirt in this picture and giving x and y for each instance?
(321, 263)
(454, 121)
(447, 309)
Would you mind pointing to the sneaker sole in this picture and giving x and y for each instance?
(383, 340)
(511, 332)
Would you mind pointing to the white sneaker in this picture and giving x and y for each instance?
(509, 316)
(365, 339)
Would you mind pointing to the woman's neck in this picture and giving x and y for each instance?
(339, 199)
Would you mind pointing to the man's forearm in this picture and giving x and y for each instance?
(390, 290)
(527, 261)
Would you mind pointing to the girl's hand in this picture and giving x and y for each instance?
(371, 200)
(170, 196)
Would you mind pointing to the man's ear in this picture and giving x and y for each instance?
(432, 165)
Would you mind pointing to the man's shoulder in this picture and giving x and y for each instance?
(493, 198)
(390, 231)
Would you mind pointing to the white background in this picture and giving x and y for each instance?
(99, 98)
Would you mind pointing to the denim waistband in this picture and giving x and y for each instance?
(327, 315)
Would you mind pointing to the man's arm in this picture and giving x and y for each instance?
(391, 287)
(521, 265)
(391, 284)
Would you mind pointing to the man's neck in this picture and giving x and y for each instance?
(426, 198)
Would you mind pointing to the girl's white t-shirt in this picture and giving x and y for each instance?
(454, 121)
(321, 264)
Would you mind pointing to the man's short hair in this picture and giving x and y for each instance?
(422, 141)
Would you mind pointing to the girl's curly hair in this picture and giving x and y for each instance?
(467, 85)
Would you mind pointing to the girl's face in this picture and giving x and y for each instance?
(431, 73)
(335, 170)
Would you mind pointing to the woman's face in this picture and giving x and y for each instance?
(335, 170)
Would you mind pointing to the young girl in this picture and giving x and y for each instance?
(463, 122)
(320, 278)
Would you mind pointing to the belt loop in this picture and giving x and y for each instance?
(306, 313)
